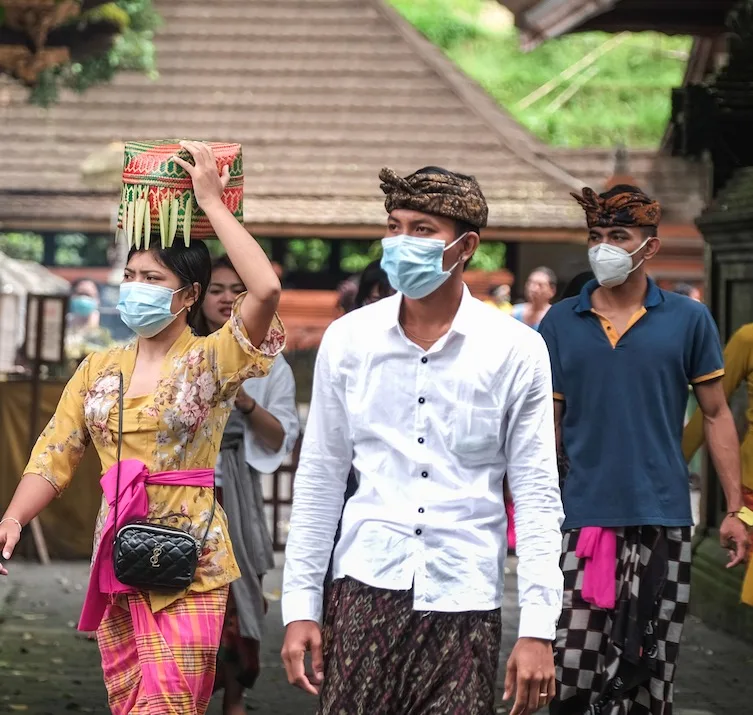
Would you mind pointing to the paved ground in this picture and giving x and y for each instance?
(47, 668)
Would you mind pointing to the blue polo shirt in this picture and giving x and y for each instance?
(625, 403)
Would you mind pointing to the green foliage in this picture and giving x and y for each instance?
(23, 246)
(78, 249)
(310, 254)
(626, 102)
(489, 256)
(356, 255)
(133, 49)
(71, 249)
(446, 23)
(216, 249)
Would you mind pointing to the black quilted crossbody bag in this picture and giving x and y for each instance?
(149, 555)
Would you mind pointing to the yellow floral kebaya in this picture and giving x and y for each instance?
(178, 427)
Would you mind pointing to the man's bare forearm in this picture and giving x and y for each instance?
(724, 447)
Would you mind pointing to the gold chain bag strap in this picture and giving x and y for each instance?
(151, 556)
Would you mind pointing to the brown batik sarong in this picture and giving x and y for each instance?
(383, 658)
(622, 661)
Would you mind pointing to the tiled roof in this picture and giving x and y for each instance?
(321, 93)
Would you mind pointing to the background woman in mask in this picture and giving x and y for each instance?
(84, 333)
(261, 431)
(159, 649)
(84, 304)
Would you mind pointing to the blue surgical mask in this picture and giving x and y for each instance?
(146, 309)
(83, 305)
(414, 265)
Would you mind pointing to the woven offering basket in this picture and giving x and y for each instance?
(157, 202)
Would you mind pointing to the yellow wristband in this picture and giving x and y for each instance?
(746, 516)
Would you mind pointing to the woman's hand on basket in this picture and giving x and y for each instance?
(208, 184)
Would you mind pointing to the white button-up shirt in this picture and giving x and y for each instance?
(431, 435)
(275, 392)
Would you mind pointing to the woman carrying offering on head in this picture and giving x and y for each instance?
(261, 431)
(161, 404)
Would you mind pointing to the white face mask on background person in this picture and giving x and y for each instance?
(612, 265)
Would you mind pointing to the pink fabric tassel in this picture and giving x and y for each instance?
(133, 504)
(598, 546)
(511, 539)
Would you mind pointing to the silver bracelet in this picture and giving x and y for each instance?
(15, 521)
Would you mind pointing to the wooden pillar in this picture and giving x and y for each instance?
(279, 250)
(335, 257)
(50, 247)
(512, 264)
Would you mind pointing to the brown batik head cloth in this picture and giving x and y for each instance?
(436, 191)
(623, 205)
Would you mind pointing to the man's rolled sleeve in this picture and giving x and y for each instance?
(706, 357)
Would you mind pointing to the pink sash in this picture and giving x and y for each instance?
(133, 504)
(598, 547)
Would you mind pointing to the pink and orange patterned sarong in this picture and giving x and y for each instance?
(161, 663)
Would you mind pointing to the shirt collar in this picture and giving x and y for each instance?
(584, 304)
(461, 323)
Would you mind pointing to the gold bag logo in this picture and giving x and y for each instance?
(156, 553)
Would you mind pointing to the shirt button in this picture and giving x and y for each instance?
(420, 440)
(424, 474)
(420, 510)
(424, 360)
(418, 532)
(421, 400)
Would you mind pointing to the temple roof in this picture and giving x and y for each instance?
(321, 93)
(540, 20)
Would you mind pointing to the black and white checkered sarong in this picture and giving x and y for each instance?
(619, 662)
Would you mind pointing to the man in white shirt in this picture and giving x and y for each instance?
(432, 396)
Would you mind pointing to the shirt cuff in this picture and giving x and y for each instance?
(538, 622)
(301, 606)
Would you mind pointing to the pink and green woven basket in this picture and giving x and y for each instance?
(157, 200)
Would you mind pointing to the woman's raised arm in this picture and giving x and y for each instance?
(244, 252)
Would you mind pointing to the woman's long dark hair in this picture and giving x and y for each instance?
(192, 264)
(373, 276)
(200, 324)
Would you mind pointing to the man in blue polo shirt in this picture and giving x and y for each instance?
(623, 353)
